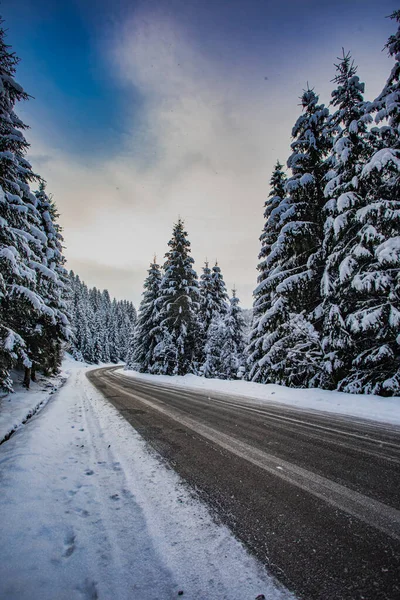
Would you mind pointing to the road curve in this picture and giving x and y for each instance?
(314, 496)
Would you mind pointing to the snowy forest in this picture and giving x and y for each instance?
(327, 304)
(33, 308)
(186, 326)
(101, 327)
(326, 307)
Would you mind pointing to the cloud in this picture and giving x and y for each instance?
(207, 141)
(200, 154)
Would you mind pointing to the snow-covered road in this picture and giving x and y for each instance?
(89, 512)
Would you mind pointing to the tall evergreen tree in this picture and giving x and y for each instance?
(373, 263)
(52, 280)
(211, 288)
(274, 206)
(145, 335)
(295, 260)
(115, 332)
(345, 195)
(207, 306)
(219, 296)
(213, 367)
(233, 347)
(24, 239)
(178, 303)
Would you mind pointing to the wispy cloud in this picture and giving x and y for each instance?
(204, 150)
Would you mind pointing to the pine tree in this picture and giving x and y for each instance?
(233, 347)
(219, 295)
(205, 315)
(24, 241)
(213, 367)
(372, 267)
(14, 248)
(52, 280)
(115, 331)
(145, 335)
(295, 261)
(345, 195)
(178, 304)
(82, 320)
(129, 325)
(105, 316)
(273, 208)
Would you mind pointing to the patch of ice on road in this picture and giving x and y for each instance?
(87, 512)
(376, 408)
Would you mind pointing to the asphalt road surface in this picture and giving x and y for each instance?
(315, 496)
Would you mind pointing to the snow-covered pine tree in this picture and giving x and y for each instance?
(128, 327)
(105, 315)
(345, 194)
(295, 260)
(219, 295)
(116, 331)
(206, 305)
(22, 239)
(373, 261)
(82, 320)
(273, 207)
(145, 335)
(205, 314)
(233, 347)
(213, 304)
(100, 326)
(52, 327)
(14, 247)
(178, 304)
(212, 367)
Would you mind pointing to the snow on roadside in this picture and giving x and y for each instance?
(17, 408)
(376, 408)
(89, 512)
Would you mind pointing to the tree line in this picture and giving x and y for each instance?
(33, 308)
(326, 309)
(186, 326)
(101, 327)
(327, 304)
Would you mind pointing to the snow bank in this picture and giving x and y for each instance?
(88, 512)
(16, 409)
(376, 408)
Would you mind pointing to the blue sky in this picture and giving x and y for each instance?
(144, 110)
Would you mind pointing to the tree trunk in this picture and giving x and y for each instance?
(27, 378)
(33, 371)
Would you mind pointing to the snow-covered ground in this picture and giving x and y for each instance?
(88, 511)
(16, 409)
(376, 408)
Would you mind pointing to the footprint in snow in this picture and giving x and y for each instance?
(69, 542)
(89, 472)
(89, 590)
